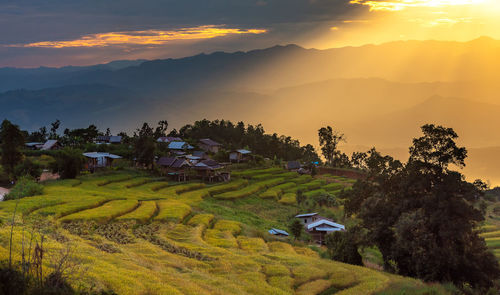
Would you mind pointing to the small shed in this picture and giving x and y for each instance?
(211, 170)
(33, 145)
(319, 229)
(293, 165)
(209, 145)
(278, 233)
(240, 155)
(96, 160)
(51, 145)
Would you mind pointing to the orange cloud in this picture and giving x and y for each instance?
(148, 37)
(396, 5)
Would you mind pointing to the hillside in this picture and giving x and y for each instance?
(135, 234)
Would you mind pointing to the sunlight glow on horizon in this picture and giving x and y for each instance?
(147, 37)
(398, 5)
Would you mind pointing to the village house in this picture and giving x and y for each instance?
(211, 171)
(318, 227)
(51, 145)
(240, 155)
(168, 139)
(209, 145)
(179, 146)
(106, 139)
(200, 154)
(174, 167)
(278, 233)
(96, 160)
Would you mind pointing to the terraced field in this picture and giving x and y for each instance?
(136, 234)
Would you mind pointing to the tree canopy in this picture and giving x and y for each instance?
(421, 215)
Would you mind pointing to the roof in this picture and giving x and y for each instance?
(306, 215)
(33, 144)
(168, 139)
(49, 144)
(326, 225)
(101, 155)
(293, 165)
(209, 142)
(179, 145)
(200, 154)
(102, 138)
(115, 139)
(243, 151)
(208, 164)
(172, 162)
(275, 231)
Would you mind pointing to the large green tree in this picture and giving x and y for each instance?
(421, 215)
(12, 141)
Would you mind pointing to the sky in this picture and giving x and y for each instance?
(37, 33)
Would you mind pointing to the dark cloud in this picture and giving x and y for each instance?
(29, 21)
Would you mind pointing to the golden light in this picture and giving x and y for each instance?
(148, 37)
(397, 5)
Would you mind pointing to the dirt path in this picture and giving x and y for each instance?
(3, 192)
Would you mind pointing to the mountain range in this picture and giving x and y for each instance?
(378, 95)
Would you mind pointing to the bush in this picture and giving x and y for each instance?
(28, 168)
(68, 163)
(342, 247)
(25, 187)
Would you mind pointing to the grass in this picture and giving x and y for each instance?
(249, 190)
(172, 211)
(104, 213)
(142, 214)
(193, 244)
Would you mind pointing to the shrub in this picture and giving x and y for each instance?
(68, 163)
(28, 168)
(25, 187)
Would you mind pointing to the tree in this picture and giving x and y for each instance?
(329, 141)
(68, 164)
(12, 141)
(161, 129)
(54, 126)
(422, 215)
(145, 146)
(296, 228)
(28, 168)
(342, 247)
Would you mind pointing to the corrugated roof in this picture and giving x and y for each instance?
(325, 222)
(167, 139)
(275, 231)
(179, 145)
(115, 139)
(101, 155)
(200, 154)
(49, 144)
(306, 215)
(172, 162)
(243, 151)
(208, 141)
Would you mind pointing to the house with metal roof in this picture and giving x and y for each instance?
(168, 139)
(278, 232)
(209, 145)
(320, 228)
(240, 155)
(211, 170)
(174, 167)
(51, 145)
(96, 160)
(107, 139)
(33, 145)
(308, 218)
(179, 146)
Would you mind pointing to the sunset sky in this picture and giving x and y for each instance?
(60, 32)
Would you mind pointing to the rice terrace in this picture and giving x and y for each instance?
(137, 234)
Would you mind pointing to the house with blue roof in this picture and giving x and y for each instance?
(278, 233)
